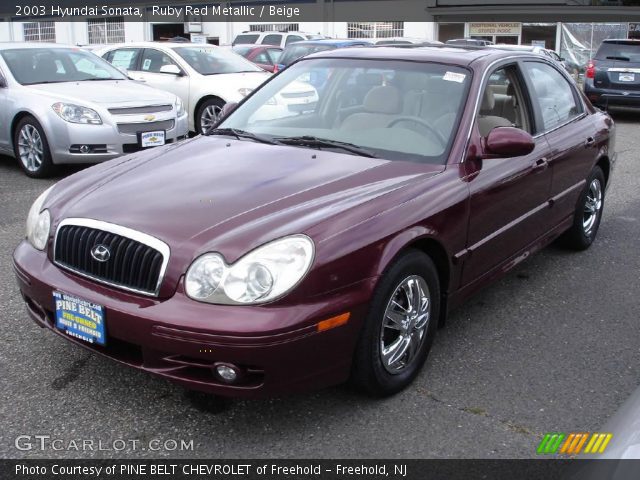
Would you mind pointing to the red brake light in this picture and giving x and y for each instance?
(590, 72)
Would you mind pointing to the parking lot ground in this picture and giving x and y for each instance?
(554, 346)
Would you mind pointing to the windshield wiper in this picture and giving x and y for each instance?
(46, 81)
(614, 57)
(235, 132)
(310, 141)
(96, 79)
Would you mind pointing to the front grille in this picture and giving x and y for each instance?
(132, 265)
(134, 128)
(140, 110)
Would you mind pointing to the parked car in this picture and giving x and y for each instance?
(405, 41)
(535, 49)
(478, 42)
(205, 77)
(288, 253)
(265, 56)
(65, 105)
(301, 49)
(613, 76)
(277, 39)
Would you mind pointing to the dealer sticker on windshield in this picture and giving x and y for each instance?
(454, 77)
(80, 318)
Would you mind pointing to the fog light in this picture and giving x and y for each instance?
(227, 373)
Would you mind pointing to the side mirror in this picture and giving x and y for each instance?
(171, 70)
(508, 142)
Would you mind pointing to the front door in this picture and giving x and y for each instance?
(149, 71)
(508, 196)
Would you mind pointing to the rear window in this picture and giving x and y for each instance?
(246, 38)
(294, 52)
(624, 51)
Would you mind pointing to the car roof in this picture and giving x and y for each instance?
(337, 42)
(462, 56)
(11, 45)
(158, 45)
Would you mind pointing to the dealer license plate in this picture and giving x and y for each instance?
(80, 318)
(152, 139)
(627, 77)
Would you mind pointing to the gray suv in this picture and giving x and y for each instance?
(613, 76)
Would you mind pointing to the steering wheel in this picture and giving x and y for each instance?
(423, 123)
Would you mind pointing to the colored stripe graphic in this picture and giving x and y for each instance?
(573, 443)
(598, 443)
(550, 443)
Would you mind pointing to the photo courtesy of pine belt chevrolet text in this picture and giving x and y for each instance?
(323, 221)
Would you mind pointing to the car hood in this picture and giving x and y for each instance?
(238, 80)
(116, 92)
(219, 194)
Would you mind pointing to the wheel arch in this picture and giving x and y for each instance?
(14, 124)
(605, 165)
(201, 101)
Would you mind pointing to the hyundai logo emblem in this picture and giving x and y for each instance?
(100, 253)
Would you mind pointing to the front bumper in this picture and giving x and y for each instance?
(278, 349)
(107, 140)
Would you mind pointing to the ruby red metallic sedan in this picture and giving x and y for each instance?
(284, 251)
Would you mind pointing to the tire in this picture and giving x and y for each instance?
(373, 371)
(588, 213)
(210, 106)
(31, 148)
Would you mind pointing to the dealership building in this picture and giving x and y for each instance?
(443, 20)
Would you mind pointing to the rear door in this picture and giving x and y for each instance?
(562, 119)
(617, 65)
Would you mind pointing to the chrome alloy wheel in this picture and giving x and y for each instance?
(404, 324)
(209, 117)
(30, 148)
(592, 207)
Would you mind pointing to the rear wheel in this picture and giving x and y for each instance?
(400, 326)
(588, 213)
(31, 148)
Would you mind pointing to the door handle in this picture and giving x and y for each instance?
(589, 141)
(540, 164)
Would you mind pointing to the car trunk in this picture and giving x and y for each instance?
(618, 65)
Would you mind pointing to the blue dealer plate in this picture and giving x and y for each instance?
(80, 318)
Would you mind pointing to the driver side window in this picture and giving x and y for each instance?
(502, 103)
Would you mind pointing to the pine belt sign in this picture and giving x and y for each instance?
(495, 28)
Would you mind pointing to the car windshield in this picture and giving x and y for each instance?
(215, 60)
(391, 109)
(30, 66)
(294, 52)
(625, 51)
(248, 38)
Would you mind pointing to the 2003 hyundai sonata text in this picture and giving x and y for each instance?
(282, 252)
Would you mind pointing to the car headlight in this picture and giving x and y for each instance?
(179, 107)
(76, 114)
(39, 222)
(245, 91)
(262, 275)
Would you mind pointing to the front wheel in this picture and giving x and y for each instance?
(207, 114)
(588, 213)
(400, 326)
(32, 149)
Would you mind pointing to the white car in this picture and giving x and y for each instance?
(205, 77)
(62, 104)
(278, 39)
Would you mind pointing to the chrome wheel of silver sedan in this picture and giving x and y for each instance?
(404, 324)
(30, 148)
(592, 206)
(209, 116)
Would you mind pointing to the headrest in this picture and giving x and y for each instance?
(369, 79)
(383, 99)
(488, 100)
(511, 90)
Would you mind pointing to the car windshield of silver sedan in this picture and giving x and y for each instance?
(30, 66)
(215, 60)
(390, 109)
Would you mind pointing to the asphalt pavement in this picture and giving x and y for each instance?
(554, 346)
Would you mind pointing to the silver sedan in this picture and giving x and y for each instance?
(65, 105)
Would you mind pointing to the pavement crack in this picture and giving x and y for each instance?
(70, 374)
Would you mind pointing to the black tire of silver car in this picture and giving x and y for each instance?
(400, 326)
(588, 213)
(207, 114)
(31, 148)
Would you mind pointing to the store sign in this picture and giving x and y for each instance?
(634, 30)
(495, 28)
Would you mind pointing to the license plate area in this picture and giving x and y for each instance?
(155, 138)
(80, 318)
(627, 77)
